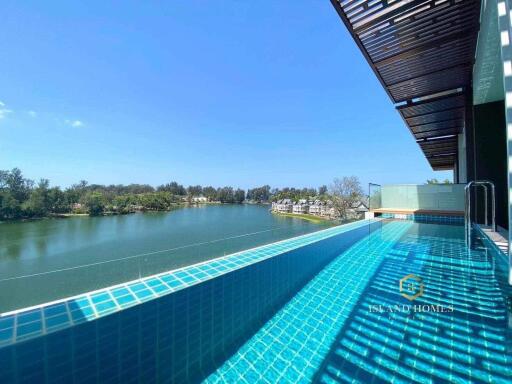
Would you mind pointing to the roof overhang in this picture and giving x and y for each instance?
(422, 52)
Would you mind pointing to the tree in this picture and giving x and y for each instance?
(435, 181)
(174, 188)
(345, 193)
(18, 185)
(57, 201)
(14, 192)
(239, 196)
(10, 208)
(210, 193)
(260, 194)
(95, 203)
(226, 195)
(38, 203)
(322, 190)
(194, 190)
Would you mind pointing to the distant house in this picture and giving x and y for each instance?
(327, 210)
(283, 206)
(76, 206)
(357, 210)
(199, 199)
(360, 207)
(301, 206)
(315, 207)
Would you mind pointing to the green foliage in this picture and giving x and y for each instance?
(226, 195)
(21, 198)
(10, 208)
(210, 193)
(14, 191)
(294, 194)
(57, 201)
(173, 188)
(239, 196)
(195, 190)
(435, 181)
(260, 194)
(95, 203)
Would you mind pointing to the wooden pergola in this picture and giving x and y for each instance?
(422, 52)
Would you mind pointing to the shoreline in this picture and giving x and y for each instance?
(307, 217)
(107, 214)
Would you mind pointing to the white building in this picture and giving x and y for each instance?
(301, 206)
(283, 206)
(315, 207)
(199, 199)
(328, 210)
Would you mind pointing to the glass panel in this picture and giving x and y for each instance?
(374, 196)
(447, 197)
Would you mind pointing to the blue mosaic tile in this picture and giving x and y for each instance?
(171, 281)
(28, 329)
(100, 297)
(127, 300)
(327, 334)
(118, 292)
(59, 321)
(105, 307)
(144, 294)
(137, 287)
(79, 303)
(6, 335)
(84, 314)
(29, 317)
(7, 322)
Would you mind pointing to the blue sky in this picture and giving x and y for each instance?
(221, 93)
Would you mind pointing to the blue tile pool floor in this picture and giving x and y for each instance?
(347, 325)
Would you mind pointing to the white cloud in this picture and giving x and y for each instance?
(75, 123)
(3, 110)
(32, 113)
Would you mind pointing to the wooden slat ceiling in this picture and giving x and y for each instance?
(423, 52)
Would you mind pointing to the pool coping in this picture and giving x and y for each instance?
(38, 320)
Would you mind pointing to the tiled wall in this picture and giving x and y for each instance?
(178, 337)
(425, 218)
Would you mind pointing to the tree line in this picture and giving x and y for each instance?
(21, 197)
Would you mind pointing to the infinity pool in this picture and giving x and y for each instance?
(367, 302)
(350, 323)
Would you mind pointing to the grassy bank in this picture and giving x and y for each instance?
(304, 216)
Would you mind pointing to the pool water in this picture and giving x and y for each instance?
(350, 323)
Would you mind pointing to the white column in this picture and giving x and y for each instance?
(505, 24)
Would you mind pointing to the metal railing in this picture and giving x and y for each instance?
(485, 184)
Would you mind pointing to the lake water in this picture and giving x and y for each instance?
(49, 259)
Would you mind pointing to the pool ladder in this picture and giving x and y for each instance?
(485, 184)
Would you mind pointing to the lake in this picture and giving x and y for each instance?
(49, 259)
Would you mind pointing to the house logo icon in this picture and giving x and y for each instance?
(411, 287)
